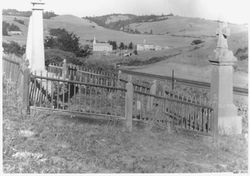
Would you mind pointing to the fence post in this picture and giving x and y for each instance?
(118, 78)
(64, 70)
(172, 79)
(26, 81)
(129, 103)
(151, 99)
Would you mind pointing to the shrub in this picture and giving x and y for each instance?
(63, 40)
(13, 27)
(56, 56)
(242, 53)
(13, 48)
(196, 42)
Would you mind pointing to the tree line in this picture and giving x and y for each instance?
(121, 46)
(14, 12)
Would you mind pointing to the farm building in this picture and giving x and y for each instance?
(14, 32)
(101, 46)
(147, 47)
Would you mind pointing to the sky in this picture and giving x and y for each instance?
(235, 11)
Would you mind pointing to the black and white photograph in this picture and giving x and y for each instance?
(124, 86)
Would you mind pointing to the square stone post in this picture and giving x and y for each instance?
(225, 112)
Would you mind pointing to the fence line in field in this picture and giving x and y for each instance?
(198, 84)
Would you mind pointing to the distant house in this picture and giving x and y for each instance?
(102, 47)
(14, 32)
(147, 47)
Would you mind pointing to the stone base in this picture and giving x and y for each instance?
(230, 125)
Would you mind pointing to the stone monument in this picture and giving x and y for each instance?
(35, 41)
(225, 112)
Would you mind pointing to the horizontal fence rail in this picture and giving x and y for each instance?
(237, 90)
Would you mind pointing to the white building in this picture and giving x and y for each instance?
(14, 33)
(103, 47)
(147, 47)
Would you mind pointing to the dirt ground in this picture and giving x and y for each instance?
(46, 142)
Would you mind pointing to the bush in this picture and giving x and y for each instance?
(63, 40)
(242, 53)
(13, 27)
(196, 42)
(13, 48)
(57, 56)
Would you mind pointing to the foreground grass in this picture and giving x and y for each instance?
(45, 142)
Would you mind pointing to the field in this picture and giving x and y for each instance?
(45, 142)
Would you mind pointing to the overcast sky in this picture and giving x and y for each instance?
(235, 11)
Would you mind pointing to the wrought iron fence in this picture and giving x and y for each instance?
(171, 110)
(76, 96)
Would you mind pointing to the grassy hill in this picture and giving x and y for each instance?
(175, 32)
(86, 30)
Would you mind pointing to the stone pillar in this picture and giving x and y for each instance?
(225, 112)
(35, 41)
(129, 104)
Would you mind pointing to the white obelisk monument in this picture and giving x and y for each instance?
(225, 112)
(35, 41)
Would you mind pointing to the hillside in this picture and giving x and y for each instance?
(121, 22)
(175, 32)
(177, 25)
(86, 30)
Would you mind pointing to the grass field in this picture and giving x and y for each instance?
(45, 142)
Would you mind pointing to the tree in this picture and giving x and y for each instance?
(63, 40)
(5, 27)
(113, 43)
(151, 31)
(13, 27)
(13, 48)
(121, 47)
(130, 46)
(135, 52)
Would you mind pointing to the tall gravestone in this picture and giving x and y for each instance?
(35, 42)
(225, 112)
